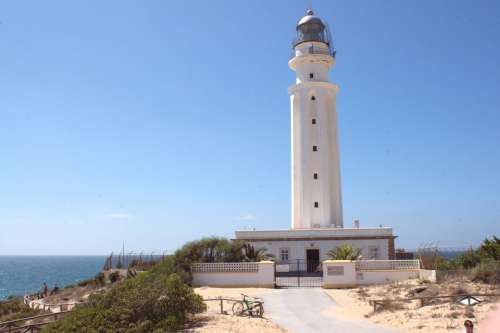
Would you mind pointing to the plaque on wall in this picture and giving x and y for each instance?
(335, 270)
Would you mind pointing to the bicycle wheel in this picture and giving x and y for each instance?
(258, 310)
(238, 309)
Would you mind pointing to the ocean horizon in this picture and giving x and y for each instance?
(25, 274)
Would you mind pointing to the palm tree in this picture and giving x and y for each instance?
(251, 254)
(344, 252)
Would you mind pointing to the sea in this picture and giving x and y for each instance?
(20, 275)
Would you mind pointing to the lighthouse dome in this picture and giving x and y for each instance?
(309, 18)
(310, 28)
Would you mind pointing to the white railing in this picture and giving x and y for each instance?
(225, 267)
(375, 265)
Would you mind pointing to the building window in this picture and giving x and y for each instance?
(315, 176)
(315, 148)
(313, 98)
(314, 121)
(311, 75)
(316, 204)
(284, 254)
(373, 252)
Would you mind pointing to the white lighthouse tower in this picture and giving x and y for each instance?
(316, 193)
(317, 225)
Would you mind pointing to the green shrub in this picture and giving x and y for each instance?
(15, 309)
(97, 281)
(147, 303)
(211, 249)
(490, 249)
(344, 252)
(469, 259)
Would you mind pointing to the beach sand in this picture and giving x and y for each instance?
(410, 317)
(212, 321)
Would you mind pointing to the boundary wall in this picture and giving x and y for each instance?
(347, 274)
(234, 274)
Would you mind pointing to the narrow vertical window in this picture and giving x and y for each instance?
(311, 75)
(313, 98)
(315, 176)
(313, 121)
(315, 148)
(316, 204)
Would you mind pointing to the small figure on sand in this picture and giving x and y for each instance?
(469, 326)
(45, 289)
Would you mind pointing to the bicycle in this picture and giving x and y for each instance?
(252, 306)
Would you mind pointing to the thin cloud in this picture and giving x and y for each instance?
(118, 216)
(247, 217)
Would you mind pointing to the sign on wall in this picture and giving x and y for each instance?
(335, 270)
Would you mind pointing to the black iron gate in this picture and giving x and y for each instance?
(298, 273)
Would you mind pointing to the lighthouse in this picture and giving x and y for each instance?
(317, 225)
(316, 188)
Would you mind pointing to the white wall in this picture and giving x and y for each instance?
(428, 274)
(339, 274)
(264, 278)
(297, 249)
(379, 277)
(351, 277)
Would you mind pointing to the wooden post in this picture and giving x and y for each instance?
(221, 306)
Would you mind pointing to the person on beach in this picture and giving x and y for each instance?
(55, 290)
(469, 326)
(45, 289)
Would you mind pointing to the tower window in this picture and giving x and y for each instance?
(315, 176)
(316, 204)
(311, 75)
(313, 121)
(313, 98)
(315, 148)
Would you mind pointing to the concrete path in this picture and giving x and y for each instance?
(302, 311)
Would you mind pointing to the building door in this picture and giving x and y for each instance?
(312, 256)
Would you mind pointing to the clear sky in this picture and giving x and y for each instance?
(158, 122)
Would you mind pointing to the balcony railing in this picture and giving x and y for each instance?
(313, 50)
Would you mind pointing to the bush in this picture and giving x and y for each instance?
(469, 259)
(97, 281)
(211, 249)
(487, 272)
(147, 303)
(15, 309)
(114, 277)
(490, 249)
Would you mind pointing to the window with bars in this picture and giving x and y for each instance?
(315, 176)
(284, 254)
(316, 204)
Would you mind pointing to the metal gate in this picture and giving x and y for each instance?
(298, 273)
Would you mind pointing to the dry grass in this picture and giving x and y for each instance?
(437, 316)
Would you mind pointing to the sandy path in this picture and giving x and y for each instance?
(308, 310)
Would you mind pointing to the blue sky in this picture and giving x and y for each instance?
(157, 122)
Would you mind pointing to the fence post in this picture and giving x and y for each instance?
(298, 273)
(221, 306)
